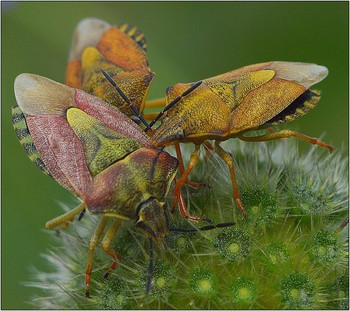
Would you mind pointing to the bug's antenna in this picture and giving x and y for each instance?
(150, 267)
(192, 88)
(132, 107)
(82, 213)
(222, 225)
(154, 162)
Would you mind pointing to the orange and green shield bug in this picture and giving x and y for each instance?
(120, 51)
(229, 105)
(99, 155)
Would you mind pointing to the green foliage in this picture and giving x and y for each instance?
(291, 252)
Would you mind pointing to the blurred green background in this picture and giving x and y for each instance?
(187, 41)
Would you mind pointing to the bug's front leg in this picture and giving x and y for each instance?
(65, 217)
(229, 161)
(93, 242)
(183, 210)
(182, 168)
(106, 242)
(193, 163)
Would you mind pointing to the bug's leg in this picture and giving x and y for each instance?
(182, 168)
(159, 102)
(184, 212)
(106, 242)
(179, 157)
(66, 224)
(176, 198)
(183, 209)
(229, 161)
(64, 218)
(93, 242)
(193, 163)
(150, 116)
(208, 147)
(285, 134)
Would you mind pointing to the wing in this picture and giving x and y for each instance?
(63, 122)
(23, 134)
(121, 52)
(281, 96)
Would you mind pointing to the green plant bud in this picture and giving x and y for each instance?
(203, 283)
(297, 291)
(277, 253)
(243, 290)
(180, 241)
(114, 296)
(260, 206)
(163, 279)
(325, 247)
(233, 244)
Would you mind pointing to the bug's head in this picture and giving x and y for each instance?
(153, 219)
(170, 131)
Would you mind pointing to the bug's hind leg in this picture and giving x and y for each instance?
(229, 161)
(285, 134)
(106, 242)
(62, 219)
(93, 242)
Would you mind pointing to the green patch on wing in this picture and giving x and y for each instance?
(102, 145)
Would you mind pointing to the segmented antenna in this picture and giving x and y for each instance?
(82, 213)
(132, 107)
(192, 88)
(222, 225)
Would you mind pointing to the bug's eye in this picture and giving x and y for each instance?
(164, 119)
(180, 135)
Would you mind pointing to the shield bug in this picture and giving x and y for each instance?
(229, 105)
(120, 51)
(101, 156)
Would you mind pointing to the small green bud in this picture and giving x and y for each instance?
(233, 244)
(203, 283)
(297, 291)
(243, 290)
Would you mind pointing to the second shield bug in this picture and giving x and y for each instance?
(229, 105)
